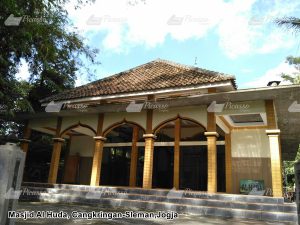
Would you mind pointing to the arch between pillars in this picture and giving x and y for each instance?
(162, 124)
(134, 154)
(75, 126)
(123, 122)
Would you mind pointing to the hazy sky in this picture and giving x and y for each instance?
(233, 37)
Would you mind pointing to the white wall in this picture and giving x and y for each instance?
(112, 118)
(198, 113)
(88, 119)
(250, 143)
(84, 145)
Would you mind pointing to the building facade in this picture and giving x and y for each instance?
(166, 125)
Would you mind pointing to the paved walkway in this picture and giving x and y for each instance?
(182, 219)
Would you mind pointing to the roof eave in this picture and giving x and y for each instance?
(227, 83)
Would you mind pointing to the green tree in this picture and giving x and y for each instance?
(289, 171)
(46, 40)
(291, 23)
(293, 78)
(54, 51)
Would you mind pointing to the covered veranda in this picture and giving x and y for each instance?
(146, 143)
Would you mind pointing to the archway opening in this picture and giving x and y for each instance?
(193, 156)
(163, 156)
(77, 165)
(117, 156)
(221, 162)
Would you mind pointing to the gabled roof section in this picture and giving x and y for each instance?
(155, 75)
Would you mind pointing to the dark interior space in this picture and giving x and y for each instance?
(115, 167)
(221, 177)
(193, 168)
(39, 157)
(140, 167)
(163, 162)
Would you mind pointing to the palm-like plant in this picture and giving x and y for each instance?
(289, 23)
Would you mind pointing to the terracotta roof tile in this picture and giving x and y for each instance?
(155, 75)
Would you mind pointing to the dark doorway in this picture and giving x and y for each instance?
(193, 168)
(115, 166)
(38, 158)
(140, 167)
(163, 161)
(221, 176)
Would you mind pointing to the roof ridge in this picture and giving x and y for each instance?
(115, 74)
(172, 63)
(196, 68)
(112, 84)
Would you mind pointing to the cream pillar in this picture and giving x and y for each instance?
(275, 162)
(228, 163)
(55, 160)
(275, 149)
(148, 160)
(134, 157)
(98, 152)
(55, 153)
(97, 161)
(176, 155)
(211, 136)
(211, 161)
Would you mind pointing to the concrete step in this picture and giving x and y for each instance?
(139, 204)
(164, 192)
(137, 198)
(172, 197)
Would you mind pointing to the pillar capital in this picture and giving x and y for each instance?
(273, 132)
(58, 139)
(149, 136)
(99, 138)
(211, 134)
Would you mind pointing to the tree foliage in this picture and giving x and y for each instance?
(291, 23)
(46, 41)
(293, 78)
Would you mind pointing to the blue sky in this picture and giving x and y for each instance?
(233, 37)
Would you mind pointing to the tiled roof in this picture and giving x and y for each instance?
(155, 75)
